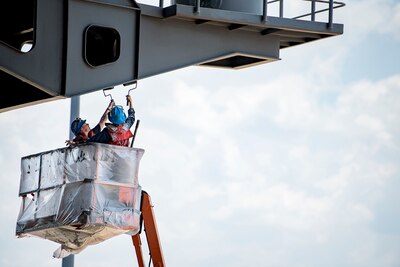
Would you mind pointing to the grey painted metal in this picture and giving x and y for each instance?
(312, 10)
(248, 6)
(224, 16)
(154, 40)
(330, 14)
(191, 44)
(74, 113)
(46, 54)
(265, 11)
(55, 64)
(331, 6)
(199, 3)
(82, 78)
(68, 261)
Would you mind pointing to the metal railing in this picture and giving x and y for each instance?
(267, 3)
(331, 5)
(265, 8)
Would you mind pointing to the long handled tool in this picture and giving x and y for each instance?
(106, 89)
(134, 133)
(129, 91)
(127, 103)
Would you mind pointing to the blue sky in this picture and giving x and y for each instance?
(291, 163)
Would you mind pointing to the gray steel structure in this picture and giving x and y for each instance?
(81, 46)
(75, 109)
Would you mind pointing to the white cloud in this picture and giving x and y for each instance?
(373, 16)
(392, 19)
(259, 175)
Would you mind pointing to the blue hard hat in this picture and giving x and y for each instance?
(76, 125)
(117, 115)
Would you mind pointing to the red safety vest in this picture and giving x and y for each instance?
(119, 135)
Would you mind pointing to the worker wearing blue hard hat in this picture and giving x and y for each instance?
(117, 115)
(76, 126)
(118, 131)
(82, 130)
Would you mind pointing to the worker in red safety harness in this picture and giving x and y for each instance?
(82, 130)
(118, 131)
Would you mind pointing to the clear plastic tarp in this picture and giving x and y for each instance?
(80, 196)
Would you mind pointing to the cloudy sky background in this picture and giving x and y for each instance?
(291, 163)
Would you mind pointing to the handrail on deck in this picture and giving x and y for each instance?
(331, 5)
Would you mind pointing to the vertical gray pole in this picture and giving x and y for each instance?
(74, 113)
(312, 10)
(197, 7)
(265, 11)
(330, 14)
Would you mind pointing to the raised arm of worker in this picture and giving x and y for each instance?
(130, 120)
(103, 118)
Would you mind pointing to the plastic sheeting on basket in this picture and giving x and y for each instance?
(80, 196)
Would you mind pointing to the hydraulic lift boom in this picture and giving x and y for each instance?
(150, 229)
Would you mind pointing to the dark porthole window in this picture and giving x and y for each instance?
(102, 45)
(17, 24)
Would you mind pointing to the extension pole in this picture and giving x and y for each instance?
(134, 133)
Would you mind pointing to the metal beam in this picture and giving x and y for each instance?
(78, 46)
